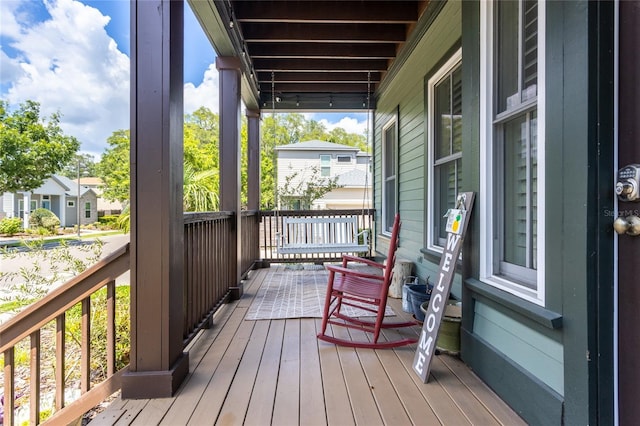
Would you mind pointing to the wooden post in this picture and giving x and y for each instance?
(230, 182)
(253, 160)
(158, 365)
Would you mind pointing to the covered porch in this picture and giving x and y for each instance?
(277, 372)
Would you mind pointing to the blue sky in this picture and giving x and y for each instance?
(84, 74)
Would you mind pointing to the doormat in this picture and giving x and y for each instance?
(287, 293)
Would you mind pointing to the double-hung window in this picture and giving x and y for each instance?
(444, 97)
(325, 165)
(512, 160)
(389, 178)
(87, 210)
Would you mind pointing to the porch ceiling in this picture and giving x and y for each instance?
(311, 55)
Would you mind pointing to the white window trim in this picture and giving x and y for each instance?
(71, 203)
(487, 155)
(389, 123)
(453, 62)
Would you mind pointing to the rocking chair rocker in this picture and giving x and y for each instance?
(347, 286)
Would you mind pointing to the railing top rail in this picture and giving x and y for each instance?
(316, 212)
(62, 298)
(250, 212)
(193, 217)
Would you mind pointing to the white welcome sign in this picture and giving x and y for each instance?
(457, 221)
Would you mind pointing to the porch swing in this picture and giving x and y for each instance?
(318, 235)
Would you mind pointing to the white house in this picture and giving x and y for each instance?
(58, 194)
(303, 161)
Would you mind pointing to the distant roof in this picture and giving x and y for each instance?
(354, 177)
(71, 186)
(90, 181)
(316, 145)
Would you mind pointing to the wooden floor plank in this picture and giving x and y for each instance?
(251, 287)
(235, 405)
(387, 400)
(365, 410)
(261, 404)
(499, 409)
(312, 407)
(461, 395)
(208, 408)
(152, 413)
(189, 396)
(286, 407)
(278, 373)
(336, 397)
(445, 409)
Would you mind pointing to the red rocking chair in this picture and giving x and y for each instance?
(347, 286)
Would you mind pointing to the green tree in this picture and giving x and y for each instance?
(200, 190)
(302, 188)
(31, 150)
(87, 166)
(113, 167)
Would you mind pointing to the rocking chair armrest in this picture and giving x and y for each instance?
(350, 258)
(353, 272)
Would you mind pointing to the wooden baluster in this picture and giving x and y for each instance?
(60, 364)
(111, 328)
(34, 381)
(85, 350)
(9, 392)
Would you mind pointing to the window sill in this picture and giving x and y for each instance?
(538, 314)
(435, 256)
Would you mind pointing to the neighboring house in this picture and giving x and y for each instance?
(58, 194)
(105, 207)
(327, 160)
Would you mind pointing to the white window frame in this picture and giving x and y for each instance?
(386, 227)
(453, 62)
(324, 166)
(87, 210)
(71, 203)
(488, 139)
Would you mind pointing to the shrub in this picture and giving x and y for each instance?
(43, 218)
(10, 225)
(110, 219)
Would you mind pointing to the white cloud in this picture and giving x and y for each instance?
(205, 94)
(69, 64)
(350, 125)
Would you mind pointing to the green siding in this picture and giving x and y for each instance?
(406, 92)
(538, 354)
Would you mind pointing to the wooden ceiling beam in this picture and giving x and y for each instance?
(326, 11)
(323, 33)
(326, 65)
(322, 50)
(327, 87)
(319, 77)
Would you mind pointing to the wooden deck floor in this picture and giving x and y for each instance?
(275, 372)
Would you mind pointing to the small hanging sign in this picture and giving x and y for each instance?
(457, 221)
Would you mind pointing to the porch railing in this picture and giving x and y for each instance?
(207, 272)
(271, 225)
(207, 281)
(46, 319)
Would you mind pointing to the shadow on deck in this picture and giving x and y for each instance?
(276, 372)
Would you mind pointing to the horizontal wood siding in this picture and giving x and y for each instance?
(535, 352)
(406, 92)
